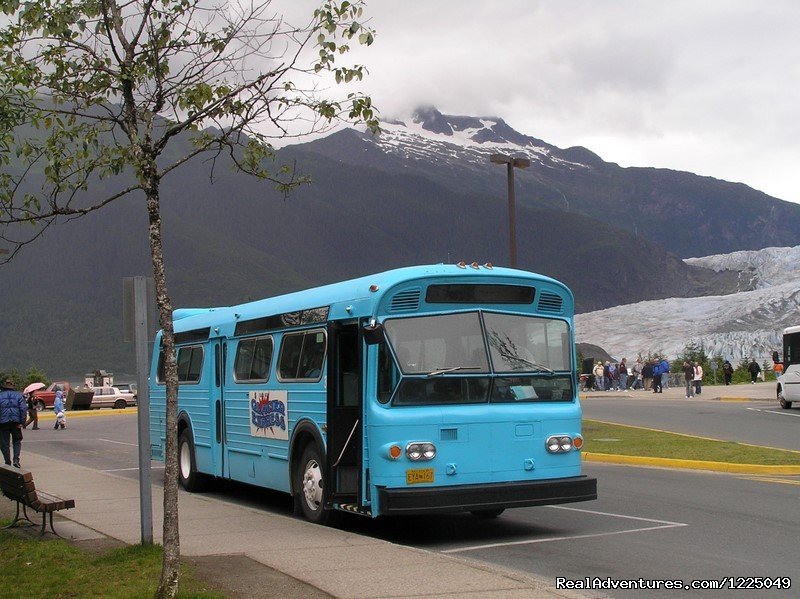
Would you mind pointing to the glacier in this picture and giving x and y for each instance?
(742, 325)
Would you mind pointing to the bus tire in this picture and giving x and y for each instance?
(190, 479)
(784, 404)
(488, 514)
(310, 483)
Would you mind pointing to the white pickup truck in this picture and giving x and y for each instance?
(789, 380)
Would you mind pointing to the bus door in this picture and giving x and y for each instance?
(217, 398)
(345, 414)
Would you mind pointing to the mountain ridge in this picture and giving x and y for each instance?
(368, 209)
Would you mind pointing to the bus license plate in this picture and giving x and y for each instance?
(421, 475)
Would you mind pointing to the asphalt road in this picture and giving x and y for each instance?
(648, 523)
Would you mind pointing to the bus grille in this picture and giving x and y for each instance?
(405, 301)
(449, 434)
(550, 302)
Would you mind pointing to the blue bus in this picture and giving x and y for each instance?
(426, 389)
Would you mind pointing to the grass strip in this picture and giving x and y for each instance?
(619, 439)
(55, 569)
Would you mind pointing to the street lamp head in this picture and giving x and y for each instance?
(521, 162)
(500, 159)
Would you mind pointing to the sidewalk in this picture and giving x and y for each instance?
(335, 561)
(763, 391)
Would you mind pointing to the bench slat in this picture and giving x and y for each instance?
(25, 496)
(15, 474)
(52, 503)
(19, 487)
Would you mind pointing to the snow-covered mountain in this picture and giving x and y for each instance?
(468, 141)
(735, 326)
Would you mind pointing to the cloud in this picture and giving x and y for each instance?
(703, 86)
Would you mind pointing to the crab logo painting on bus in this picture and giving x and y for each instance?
(268, 415)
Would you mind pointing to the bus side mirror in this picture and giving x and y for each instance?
(776, 358)
(373, 333)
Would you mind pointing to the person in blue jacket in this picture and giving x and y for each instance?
(664, 373)
(657, 371)
(58, 409)
(13, 411)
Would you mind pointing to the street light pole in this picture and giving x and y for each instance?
(511, 163)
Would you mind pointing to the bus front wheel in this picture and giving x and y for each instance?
(190, 479)
(310, 483)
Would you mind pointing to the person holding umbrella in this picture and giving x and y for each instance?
(12, 416)
(33, 413)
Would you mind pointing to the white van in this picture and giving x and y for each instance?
(789, 380)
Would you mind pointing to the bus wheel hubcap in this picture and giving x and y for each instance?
(186, 461)
(312, 485)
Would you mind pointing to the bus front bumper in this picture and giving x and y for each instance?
(426, 500)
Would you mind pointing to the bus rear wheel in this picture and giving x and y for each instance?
(310, 482)
(188, 476)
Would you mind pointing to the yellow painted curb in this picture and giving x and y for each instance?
(689, 464)
(735, 399)
(49, 415)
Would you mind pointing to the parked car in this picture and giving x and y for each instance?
(44, 398)
(127, 388)
(112, 397)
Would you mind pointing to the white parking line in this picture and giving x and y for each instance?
(575, 509)
(778, 412)
(661, 524)
(119, 442)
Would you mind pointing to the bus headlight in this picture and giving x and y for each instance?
(420, 452)
(562, 443)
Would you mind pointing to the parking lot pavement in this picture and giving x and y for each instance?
(339, 562)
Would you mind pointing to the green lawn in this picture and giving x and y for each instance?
(55, 569)
(617, 439)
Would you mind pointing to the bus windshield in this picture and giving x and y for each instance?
(444, 359)
(429, 344)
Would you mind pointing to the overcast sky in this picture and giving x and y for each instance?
(710, 86)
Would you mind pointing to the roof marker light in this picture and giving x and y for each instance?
(475, 265)
(489, 265)
(462, 264)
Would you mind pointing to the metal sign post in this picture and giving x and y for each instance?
(139, 294)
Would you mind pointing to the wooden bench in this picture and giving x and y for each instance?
(18, 486)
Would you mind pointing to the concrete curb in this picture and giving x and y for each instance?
(630, 460)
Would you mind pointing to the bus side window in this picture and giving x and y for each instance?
(313, 356)
(253, 359)
(302, 356)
